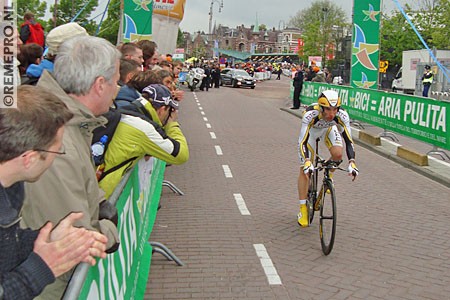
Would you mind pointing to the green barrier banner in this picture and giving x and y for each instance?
(421, 118)
(124, 273)
(137, 20)
(366, 43)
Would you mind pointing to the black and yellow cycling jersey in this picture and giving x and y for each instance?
(313, 120)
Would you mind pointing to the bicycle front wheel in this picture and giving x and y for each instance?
(328, 217)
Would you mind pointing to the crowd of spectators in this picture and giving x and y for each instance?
(47, 174)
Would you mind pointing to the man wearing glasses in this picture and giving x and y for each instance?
(29, 259)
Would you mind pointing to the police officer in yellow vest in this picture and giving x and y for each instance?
(427, 80)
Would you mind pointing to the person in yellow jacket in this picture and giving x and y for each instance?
(427, 80)
(136, 137)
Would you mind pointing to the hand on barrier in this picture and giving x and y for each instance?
(108, 211)
(308, 168)
(353, 170)
(64, 246)
(97, 249)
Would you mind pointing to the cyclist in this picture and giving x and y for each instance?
(327, 121)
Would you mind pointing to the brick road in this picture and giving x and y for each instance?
(393, 232)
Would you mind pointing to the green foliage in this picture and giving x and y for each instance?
(319, 24)
(262, 27)
(35, 6)
(396, 37)
(67, 9)
(110, 26)
(181, 42)
(431, 20)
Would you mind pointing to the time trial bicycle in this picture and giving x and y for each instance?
(324, 200)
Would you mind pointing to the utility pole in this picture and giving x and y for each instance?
(55, 13)
(324, 49)
(211, 13)
(210, 19)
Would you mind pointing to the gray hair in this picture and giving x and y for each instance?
(81, 60)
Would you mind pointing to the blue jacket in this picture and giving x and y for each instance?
(126, 95)
(34, 70)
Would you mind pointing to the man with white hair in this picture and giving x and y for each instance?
(85, 78)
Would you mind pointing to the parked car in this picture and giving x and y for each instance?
(237, 78)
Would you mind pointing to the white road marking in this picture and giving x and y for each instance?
(202, 112)
(205, 119)
(241, 204)
(208, 125)
(201, 108)
(267, 264)
(227, 171)
(213, 135)
(218, 150)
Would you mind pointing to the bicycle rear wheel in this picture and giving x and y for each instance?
(328, 218)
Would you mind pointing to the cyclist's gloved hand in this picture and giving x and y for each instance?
(308, 167)
(352, 169)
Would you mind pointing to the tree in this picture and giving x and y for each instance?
(262, 27)
(68, 9)
(110, 26)
(318, 23)
(396, 37)
(181, 42)
(431, 21)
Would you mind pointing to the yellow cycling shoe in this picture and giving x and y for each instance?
(302, 217)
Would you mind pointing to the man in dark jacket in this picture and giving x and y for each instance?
(298, 85)
(206, 82)
(31, 259)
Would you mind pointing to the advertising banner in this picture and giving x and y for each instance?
(421, 118)
(137, 20)
(124, 273)
(366, 44)
(167, 15)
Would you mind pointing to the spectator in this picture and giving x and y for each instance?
(177, 68)
(30, 259)
(135, 137)
(128, 68)
(54, 39)
(166, 65)
(72, 177)
(31, 31)
(132, 51)
(149, 49)
(29, 54)
(320, 77)
(298, 86)
(169, 81)
(131, 91)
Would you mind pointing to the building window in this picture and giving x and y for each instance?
(241, 47)
(227, 42)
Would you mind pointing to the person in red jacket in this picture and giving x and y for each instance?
(31, 31)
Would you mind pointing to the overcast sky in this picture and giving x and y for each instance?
(272, 13)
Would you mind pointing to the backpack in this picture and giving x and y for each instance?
(113, 116)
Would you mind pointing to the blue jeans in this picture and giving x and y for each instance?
(426, 88)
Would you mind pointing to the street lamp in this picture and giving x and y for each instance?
(211, 12)
(325, 14)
